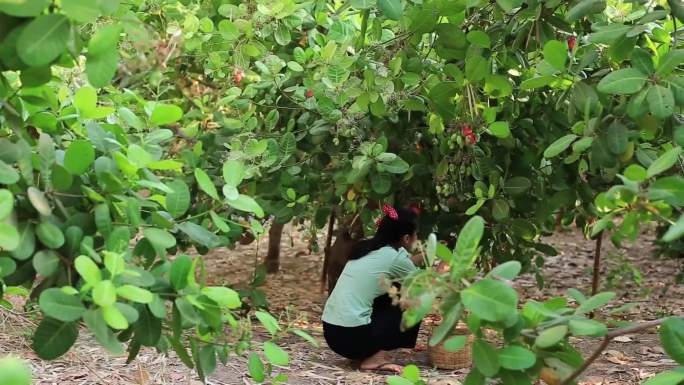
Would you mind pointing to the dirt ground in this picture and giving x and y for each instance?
(296, 288)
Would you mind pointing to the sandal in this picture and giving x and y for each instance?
(383, 368)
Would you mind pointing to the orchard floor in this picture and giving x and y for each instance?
(627, 361)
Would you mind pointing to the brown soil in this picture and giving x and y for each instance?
(297, 289)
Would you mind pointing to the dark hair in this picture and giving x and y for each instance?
(389, 233)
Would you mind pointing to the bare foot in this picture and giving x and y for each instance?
(378, 362)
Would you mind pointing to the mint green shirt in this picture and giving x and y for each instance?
(351, 302)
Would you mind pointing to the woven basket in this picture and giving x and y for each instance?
(443, 359)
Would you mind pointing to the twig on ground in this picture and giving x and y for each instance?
(607, 340)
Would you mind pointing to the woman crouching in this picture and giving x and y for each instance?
(359, 320)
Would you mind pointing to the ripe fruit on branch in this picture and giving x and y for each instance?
(309, 93)
(571, 42)
(238, 74)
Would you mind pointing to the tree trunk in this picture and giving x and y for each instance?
(326, 249)
(275, 234)
(597, 265)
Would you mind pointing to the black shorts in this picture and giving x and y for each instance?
(383, 333)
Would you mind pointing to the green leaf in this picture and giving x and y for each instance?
(672, 338)
(79, 156)
(396, 380)
(306, 336)
(134, 293)
(675, 231)
(14, 370)
(485, 358)
(294, 66)
(669, 189)
(138, 156)
(479, 38)
(625, 81)
(672, 377)
(81, 11)
(27, 241)
(595, 302)
(500, 209)
(537, 82)
(661, 101)
(246, 203)
(53, 338)
(551, 337)
(617, 138)
(88, 270)
(664, 162)
(85, 100)
(268, 321)
(105, 40)
(104, 293)
(43, 39)
(7, 266)
(669, 62)
(491, 300)
(500, 129)
(201, 235)
(507, 270)
(559, 145)
(516, 358)
(164, 114)
(57, 304)
(114, 317)
(587, 327)
(9, 237)
(584, 8)
(8, 175)
(101, 68)
(392, 9)
(517, 185)
(477, 68)
(381, 184)
(223, 296)
(180, 269)
(39, 202)
(178, 200)
(228, 30)
(455, 343)
(282, 35)
(45, 262)
(6, 203)
(556, 54)
(50, 235)
(205, 183)
(187, 310)
(509, 5)
(636, 173)
(159, 237)
(468, 241)
(256, 368)
(397, 166)
(233, 172)
(23, 8)
(275, 354)
(147, 328)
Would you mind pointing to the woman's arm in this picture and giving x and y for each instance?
(417, 259)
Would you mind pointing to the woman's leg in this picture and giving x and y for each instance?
(386, 332)
(354, 343)
(386, 325)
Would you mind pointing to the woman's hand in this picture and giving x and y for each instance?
(418, 259)
(442, 267)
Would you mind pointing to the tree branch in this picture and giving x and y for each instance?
(607, 340)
